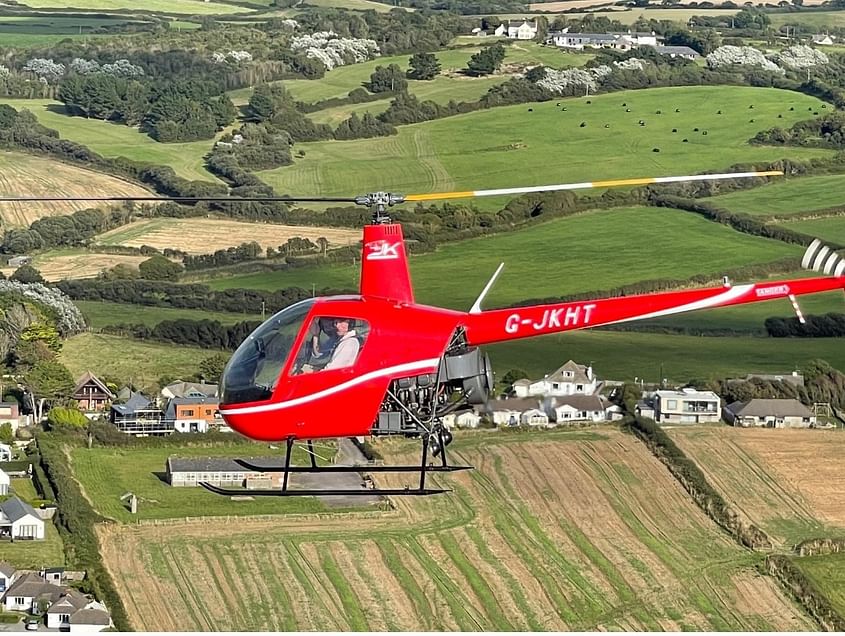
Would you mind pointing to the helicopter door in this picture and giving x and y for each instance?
(333, 342)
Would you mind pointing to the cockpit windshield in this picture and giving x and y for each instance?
(253, 371)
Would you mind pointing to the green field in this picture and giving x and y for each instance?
(831, 229)
(187, 7)
(107, 473)
(827, 572)
(27, 31)
(99, 314)
(349, 5)
(482, 149)
(142, 363)
(820, 20)
(784, 197)
(115, 140)
(629, 16)
(34, 555)
(597, 250)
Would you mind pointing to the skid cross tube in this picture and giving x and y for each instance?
(287, 469)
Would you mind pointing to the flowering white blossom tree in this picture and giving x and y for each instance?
(235, 56)
(4, 71)
(801, 56)
(46, 70)
(291, 23)
(745, 55)
(69, 319)
(631, 64)
(563, 80)
(334, 51)
(122, 68)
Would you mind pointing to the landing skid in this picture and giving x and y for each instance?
(287, 470)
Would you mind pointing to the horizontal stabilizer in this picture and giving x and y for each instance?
(821, 258)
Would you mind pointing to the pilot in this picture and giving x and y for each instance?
(346, 349)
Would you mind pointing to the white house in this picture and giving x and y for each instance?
(5, 482)
(684, 52)
(687, 406)
(467, 419)
(770, 414)
(534, 417)
(5, 453)
(576, 408)
(23, 595)
(523, 30)
(569, 379)
(19, 520)
(508, 412)
(824, 39)
(7, 577)
(618, 41)
(75, 612)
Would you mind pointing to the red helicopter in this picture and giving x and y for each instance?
(390, 366)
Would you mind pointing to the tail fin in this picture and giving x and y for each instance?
(821, 258)
(384, 264)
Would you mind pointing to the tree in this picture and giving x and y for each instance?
(486, 61)
(513, 375)
(27, 274)
(388, 79)
(62, 417)
(424, 66)
(7, 436)
(47, 382)
(159, 268)
(212, 368)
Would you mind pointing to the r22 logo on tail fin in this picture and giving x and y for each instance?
(382, 250)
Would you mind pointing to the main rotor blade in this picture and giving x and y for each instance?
(610, 183)
(187, 199)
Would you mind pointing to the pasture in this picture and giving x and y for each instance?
(107, 473)
(100, 314)
(25, 175)
(142, 363)
(820, 20)
(116, 140)
(787, 481)
(633, 14)
(787, 197)
(186, 7)
(827, 572)
(204, 236)
(34, 555)
(481, 149)
(596, 250)
(559, 531)
(831, 229)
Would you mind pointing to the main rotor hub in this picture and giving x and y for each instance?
(379, 202)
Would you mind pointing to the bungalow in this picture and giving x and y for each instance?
(17, 261)
(508, 412)
(684, 52)
(91, 393)
(75, 612)
(618, 41)
(576, 408)
(467, 419)
(569, 379)
(534, 417)
(19, 520)
(785, 413)
(687, 406)
(7, 576)
(28, 592)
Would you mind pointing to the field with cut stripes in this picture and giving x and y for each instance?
(563, 531)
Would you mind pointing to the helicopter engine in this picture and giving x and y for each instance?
(414, 404)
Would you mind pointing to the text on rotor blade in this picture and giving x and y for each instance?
(574, 316)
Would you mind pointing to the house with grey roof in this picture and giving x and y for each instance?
(522, 29)
(571, 409)
(7, 576)
(190, 390)
(774, 413)
(569, 379)
(684, 52)
(91, 393)
(19, 520)
(74, 611)
(223, 471)
(138, 415)
(28, 591)
(618, 41)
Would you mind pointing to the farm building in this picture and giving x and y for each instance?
(19, 520)
(91, 393)
(571, 378)
(17, 261)
(222, 471)
(687, 406)
(770, 414)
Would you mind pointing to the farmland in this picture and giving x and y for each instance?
(186, 7)
(786, 481)
(569, 531)
(826, 572)
(99, 314)
(798, 196)
(832, 228)
(204, 236)
(76, 263)
(631, 15)
(547, 143)
(28, 175)
(586, 240)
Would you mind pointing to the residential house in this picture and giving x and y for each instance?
(824, 39)
(190, 390)
(7, 576)
(467, 419)
(75, 612)
(53, 575)
(10, 413)
(617, 41)
(781, 413)
(645, 408)
(576, 408)
(17, 261)
(192, 414)
(138, 415)
(222, 471)
(5, 483)
(687, 406)
(534, 417)
(19, 520)
(28, 592)
(91, 393)
(684, 52)
(508, 412)
(569, 379)
(522, 30)
(5, 453)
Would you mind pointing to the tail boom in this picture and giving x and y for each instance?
(501, 325)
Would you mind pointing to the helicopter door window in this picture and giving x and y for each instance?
(332, 343)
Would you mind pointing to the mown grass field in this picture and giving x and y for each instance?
(187, 7)
(142, 363)
(784, 197)
(567, 531)
(72, 262)
(821, 20)
(99, 314)
(481, 150)
(785, 481)
(827, 572)
(832, 229)
(117, 140)
(105, 474)
(34, 555)
(23, 175)
(596, 250)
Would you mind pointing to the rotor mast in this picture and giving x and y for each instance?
(378, 202)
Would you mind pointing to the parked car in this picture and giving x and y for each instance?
(31, 624)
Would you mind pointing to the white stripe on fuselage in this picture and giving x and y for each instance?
(704, 303)
(420, 366)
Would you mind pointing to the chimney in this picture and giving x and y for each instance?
(590, 372)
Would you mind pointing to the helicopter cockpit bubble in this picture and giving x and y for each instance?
(253, 372)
